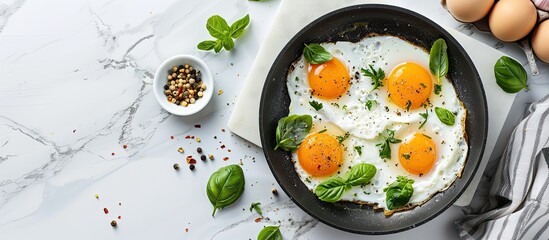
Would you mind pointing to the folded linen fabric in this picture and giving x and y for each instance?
(517, 203)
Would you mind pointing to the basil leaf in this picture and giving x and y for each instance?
(225, 186)
(206, 45)
(332, 189)
(292, 130)
(218, 45)
(316, 54)
(360, 174)
(316, 105)
(445, 116)
(228, 43)
(399, 192)
(510, 75)
(270, 233)
(218, 27)
(237, 28)
(438, 59)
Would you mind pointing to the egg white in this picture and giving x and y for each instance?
(350, 114)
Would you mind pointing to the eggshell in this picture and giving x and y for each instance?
(540, 41)
(469, 10)
(512, 20)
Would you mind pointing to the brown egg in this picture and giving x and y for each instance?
(540, 41)
(469, 10)
(512, 20)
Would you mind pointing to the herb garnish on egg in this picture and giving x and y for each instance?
(316, 105)
(388, 138)
(377, 76)
(292, 130)
(399, 192)
(438, 59)
(332, 189)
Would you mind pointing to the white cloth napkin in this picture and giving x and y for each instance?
(517, 205)
(291, 18)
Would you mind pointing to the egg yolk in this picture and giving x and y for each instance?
(320, 154)
(409, 85)
(418, 155)
(329, 80)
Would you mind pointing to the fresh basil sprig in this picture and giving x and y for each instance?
(438, 59)
(445, 116)
(292, 130)
(270, 233)
(218, 28)
(510, 75)
(377, 76)
(385, 148)
(399, 192)
(225, 186)
(316, 54)
(332, 189)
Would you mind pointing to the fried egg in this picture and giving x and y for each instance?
(346, 131)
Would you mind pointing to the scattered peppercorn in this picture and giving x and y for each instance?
(119, 217)
(113, 223)
(190, 160)
(211, 157)
(106, 210)
(124, 146)
(171, 137)
(203, 157)
(112, 154)
(197, 126)
(199, 150)
(176, 166)
(191, 167)
(275, 192)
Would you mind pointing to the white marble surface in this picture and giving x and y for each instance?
(75, 86)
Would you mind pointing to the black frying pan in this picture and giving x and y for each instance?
(352, 24)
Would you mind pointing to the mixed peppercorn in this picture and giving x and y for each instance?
(184, 85)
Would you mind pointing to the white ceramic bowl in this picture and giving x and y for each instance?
(161, 77)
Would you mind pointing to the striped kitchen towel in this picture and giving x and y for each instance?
(515, 201)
